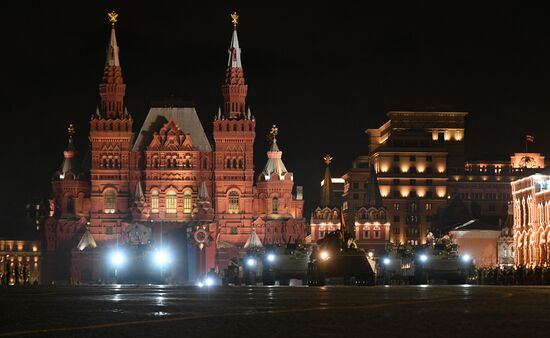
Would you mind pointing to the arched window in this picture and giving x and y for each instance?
(233, 202)
(110, 163)
(109, 201)
(116, 163)
(228, 163)
(187, 164)
(155, 201)
(240, 163)
(234, 163)
(168, 163)
(171, 202)
(234, 127)
(187, 202)
(275, 205)
(155, 163)
(174, 163)
(104, 164)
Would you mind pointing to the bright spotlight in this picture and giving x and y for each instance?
(162, 258)
(271, 257)
(466, 258)
(387, 261)
(200, 284)
(117, 258)
(324, 255)
(208, 281)
(251, 262)
(423, 258)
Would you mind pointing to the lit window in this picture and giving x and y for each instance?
(155, 201)
(233, 202)
(109, 201)
(275, 205)
(376, 234)
(171, 202)
(366, 233)
(187, 205)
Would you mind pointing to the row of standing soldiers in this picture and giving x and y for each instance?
(520, 275)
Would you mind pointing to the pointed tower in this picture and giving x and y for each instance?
(234, 88)
(373, 198)
(281, 214)
(370, 222)
(326, 217)
(70, 185)
(326, 188)
(202, 210)
(110, 135)
(234, 133)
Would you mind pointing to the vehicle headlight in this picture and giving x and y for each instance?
(324, 255)
(466, 258)
(251, 262)
(162, 258)
(118, 258)
(423, 258)
(271, 257)
(387, 261)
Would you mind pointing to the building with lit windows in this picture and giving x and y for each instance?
(20, 262)
(531, 229)
(421, 167)
(167, 181)
(412, 154)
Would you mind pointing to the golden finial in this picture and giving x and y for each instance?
(234, 19)
(274, 131)
(113, 17)
(70, 130)
(328, 159)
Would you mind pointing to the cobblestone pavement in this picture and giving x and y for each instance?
(396, 311)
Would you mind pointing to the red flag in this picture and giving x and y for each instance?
(529, 138)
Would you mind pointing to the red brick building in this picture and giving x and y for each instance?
(169, 181)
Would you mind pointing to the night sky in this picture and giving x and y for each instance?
(322, 71)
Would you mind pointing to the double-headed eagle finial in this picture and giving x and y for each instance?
(328, 159)
(70, 130)
(234, 19)
(113, 17)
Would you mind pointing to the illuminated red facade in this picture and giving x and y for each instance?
(169, 179)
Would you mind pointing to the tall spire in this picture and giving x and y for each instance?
(234, 89)
(274, 163)
(70, 163)
(112, 89)
(326, 189)
(234, 49)
(373, 198)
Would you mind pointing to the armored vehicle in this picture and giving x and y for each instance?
(337, 258)
(281, 264)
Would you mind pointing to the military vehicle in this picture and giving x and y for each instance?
(282, 264)
(437, 262)
(337, 258)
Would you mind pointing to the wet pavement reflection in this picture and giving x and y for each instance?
(274, 311)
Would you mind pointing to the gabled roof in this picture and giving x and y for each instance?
(87, 241)
(253, 241)
(185, 117)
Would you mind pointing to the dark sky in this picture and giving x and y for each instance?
(322, 71)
